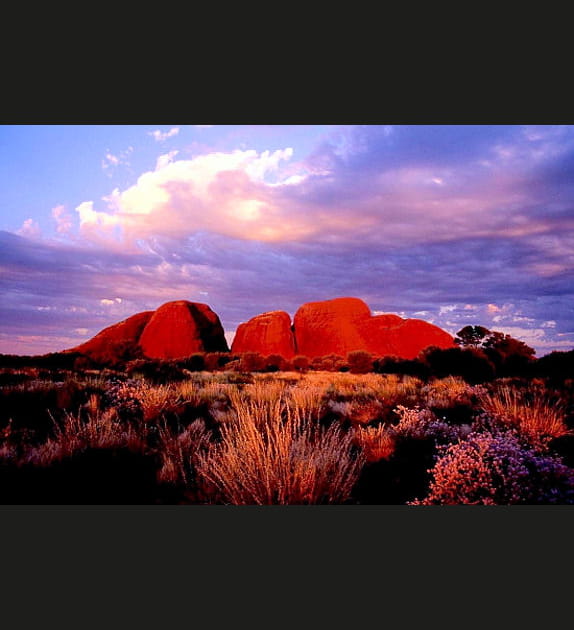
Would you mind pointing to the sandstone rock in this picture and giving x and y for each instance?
(268, 333)
(404, 338)
(117, 341)
(331, 327)
(178, 329)
(343, 325)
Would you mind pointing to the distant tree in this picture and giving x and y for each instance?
(471, 336)
(391, 364)
(472, 364)
(558, 365)
(360, 362)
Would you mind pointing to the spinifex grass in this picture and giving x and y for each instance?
(275, 454)
(75, 433)
(534, 413)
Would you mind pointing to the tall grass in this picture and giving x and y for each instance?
(275, 454)
(75, 433)
(533, 412)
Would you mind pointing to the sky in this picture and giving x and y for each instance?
(453, 224)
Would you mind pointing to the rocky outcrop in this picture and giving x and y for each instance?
(404, 338)
(116, 342)
(337, 327)
(174, 330)
(342, 325)
(268, 333)
(178, 329)
(331, 327)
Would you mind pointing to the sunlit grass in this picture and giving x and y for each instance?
(533, 412)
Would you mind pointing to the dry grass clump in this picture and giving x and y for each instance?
(179, 451)
(158, 399)
(377, 442)
(449, 391)
(306, 401)
(533, 412)
(76, 432)
(272, 454)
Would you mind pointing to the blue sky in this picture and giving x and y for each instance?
(452, 224)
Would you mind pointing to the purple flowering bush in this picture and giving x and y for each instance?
(498, 468)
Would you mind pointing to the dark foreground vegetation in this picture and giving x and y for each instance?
(483, 423)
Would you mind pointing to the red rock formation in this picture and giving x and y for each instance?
(269, 333)
(178, 329)
(342, 325)
(117, 341)
(331, 327)
(404, 338)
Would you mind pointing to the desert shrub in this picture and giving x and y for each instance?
(275, 363)
(557, 365)
(360, 362)
(251, 362)
(422, 424)
(498, 469)
(218, 360)
(329, 363)
(470, 363)
(452, 398)
(300, 363)
(193, 363)
(396, 365)
(156, 371)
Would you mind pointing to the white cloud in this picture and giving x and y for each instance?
(165, 159)
(447, 309)
(111, 161)
(30, 229)
(161, 136)
(225, 193)
(63, 219)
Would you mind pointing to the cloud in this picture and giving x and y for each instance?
(165, 159)
(63, 219)
(111, 162)
(30, 229)
(225, 193)
(161, 136)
